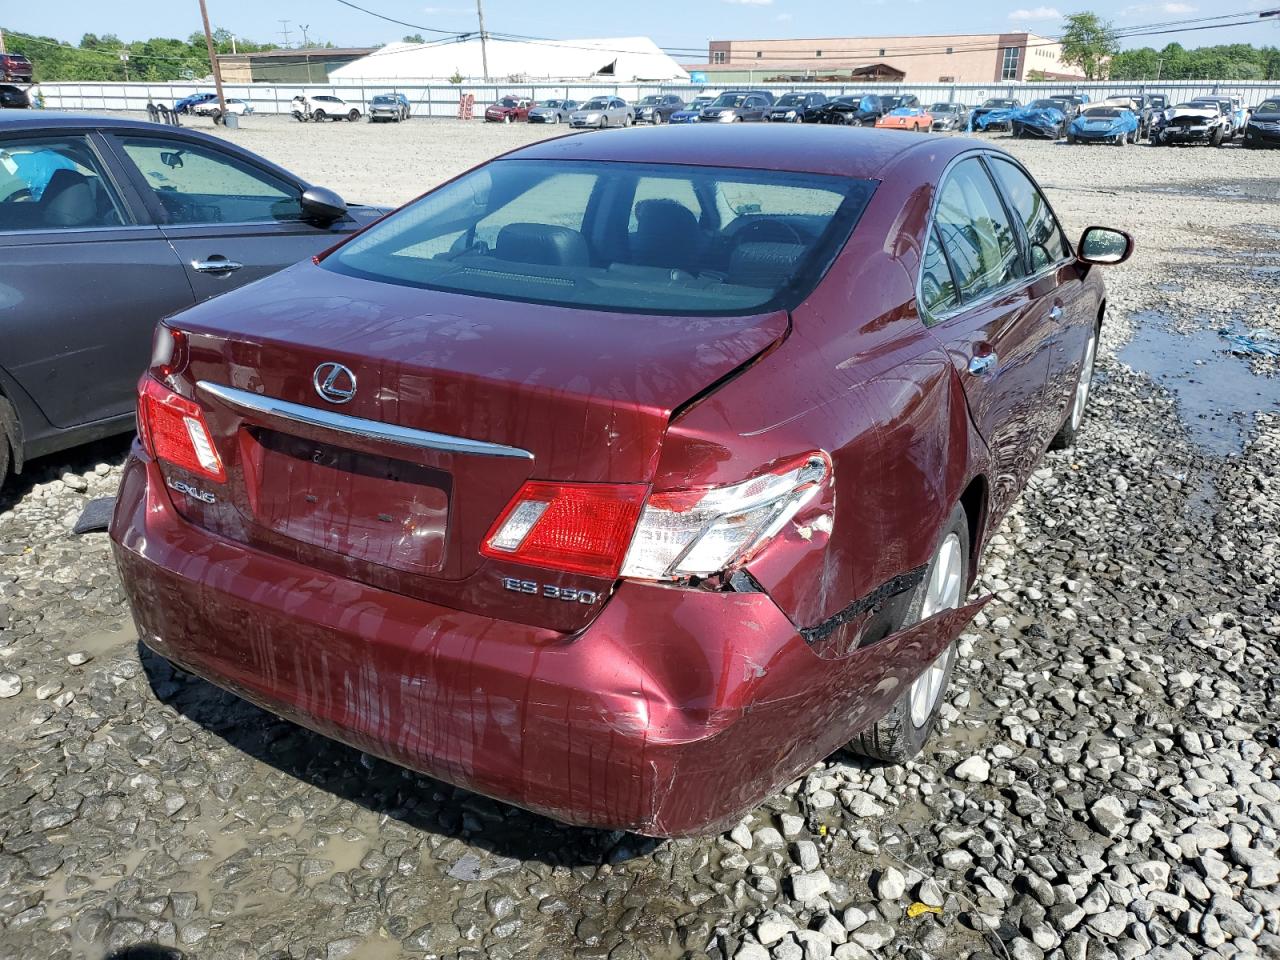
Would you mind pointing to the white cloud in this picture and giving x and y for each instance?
(1036, 13)
(1146, 9)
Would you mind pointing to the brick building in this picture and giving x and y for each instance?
(959, 58)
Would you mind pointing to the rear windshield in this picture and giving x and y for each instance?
(1100, 113)
(629, 237)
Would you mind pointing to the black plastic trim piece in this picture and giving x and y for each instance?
(886, 591)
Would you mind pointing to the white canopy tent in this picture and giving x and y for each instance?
(617, 59)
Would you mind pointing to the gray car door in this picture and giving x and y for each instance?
(83, 278)
(230, 220)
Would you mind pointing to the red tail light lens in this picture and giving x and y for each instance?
(173, 429)
(580, 528)
(168, 351)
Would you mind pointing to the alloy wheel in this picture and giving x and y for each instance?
(1082, 386)
(941, 593)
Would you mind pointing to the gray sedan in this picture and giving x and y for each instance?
(107, 225)
(603, 112)
(553, 111)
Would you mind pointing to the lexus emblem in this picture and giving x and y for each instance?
(334, 382)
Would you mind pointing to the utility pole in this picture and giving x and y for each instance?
(484, 49)
(303, 27)
(2, 47)
(284, 31)
(213, 60)
(1159, 67)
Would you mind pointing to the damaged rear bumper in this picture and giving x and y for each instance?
(672, 714)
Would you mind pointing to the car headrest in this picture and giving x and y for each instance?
(542, 243)
(68, 200)
(764, 264)
(667, 235)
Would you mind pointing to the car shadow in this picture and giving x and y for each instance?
(146, 951)
(111, 450)
(413, 799)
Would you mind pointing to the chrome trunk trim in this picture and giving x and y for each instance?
(256, 403)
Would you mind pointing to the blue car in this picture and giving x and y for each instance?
(993, 113)
(186, 103)
(1040, 118)
(1104, 124)
(691, 112)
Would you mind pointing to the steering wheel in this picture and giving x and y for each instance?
(18, 196)
(767, 231)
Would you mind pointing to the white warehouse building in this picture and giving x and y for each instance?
(617, 59)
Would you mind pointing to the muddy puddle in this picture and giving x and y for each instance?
(1216, 391)
(1244, 190)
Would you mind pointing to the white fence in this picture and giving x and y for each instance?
(441, 100)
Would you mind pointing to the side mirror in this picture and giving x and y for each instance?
(319, 203)
(1104, 246)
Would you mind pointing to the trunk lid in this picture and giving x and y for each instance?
(456, 401)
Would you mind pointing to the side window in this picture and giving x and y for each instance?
(669, 189)
(559, 200)
(1048, 245)
(937, 289)
(54, 184)
(197, 184)
(978, 237)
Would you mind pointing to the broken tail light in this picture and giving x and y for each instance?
(607, 530)
(692, 533)
(575, 527)
(173, 429)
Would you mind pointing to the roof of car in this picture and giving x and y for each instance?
(798, 148)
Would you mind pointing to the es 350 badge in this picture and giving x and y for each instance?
(550, 591)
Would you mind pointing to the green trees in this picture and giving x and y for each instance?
(98, 57)
(1235, 61)
(1088, 42)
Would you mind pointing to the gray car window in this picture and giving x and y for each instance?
(54, 184)
(195, 184)
(979, 239)
(1048, 245)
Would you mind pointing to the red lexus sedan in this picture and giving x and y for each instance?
(623, 477)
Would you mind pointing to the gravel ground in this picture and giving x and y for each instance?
(1106, 785)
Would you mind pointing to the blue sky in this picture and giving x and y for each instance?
(675, 23)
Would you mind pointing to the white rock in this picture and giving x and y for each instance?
(974, 770)
(10, 685)
(891, 885)
(810, 886)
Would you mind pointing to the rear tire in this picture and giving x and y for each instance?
(903, 731)
(8, 438)
(319, 116)
(1066, 435)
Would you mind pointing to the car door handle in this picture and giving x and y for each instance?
(1055, 312)
(216, 266)
(983, 364)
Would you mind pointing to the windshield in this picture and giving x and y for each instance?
(998, 103)
(790, 100)
(509, 102)
(943, 108)
(1268, 106)
(384, 98)
(653, 238)
(1045, 105)
(649, 101)
(730, 100)
(1101, 113)
(1197, 105)
(553, 103)
(598, 103)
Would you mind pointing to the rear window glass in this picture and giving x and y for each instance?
(616, 236)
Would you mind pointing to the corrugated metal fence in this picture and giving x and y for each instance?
(441, 100)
